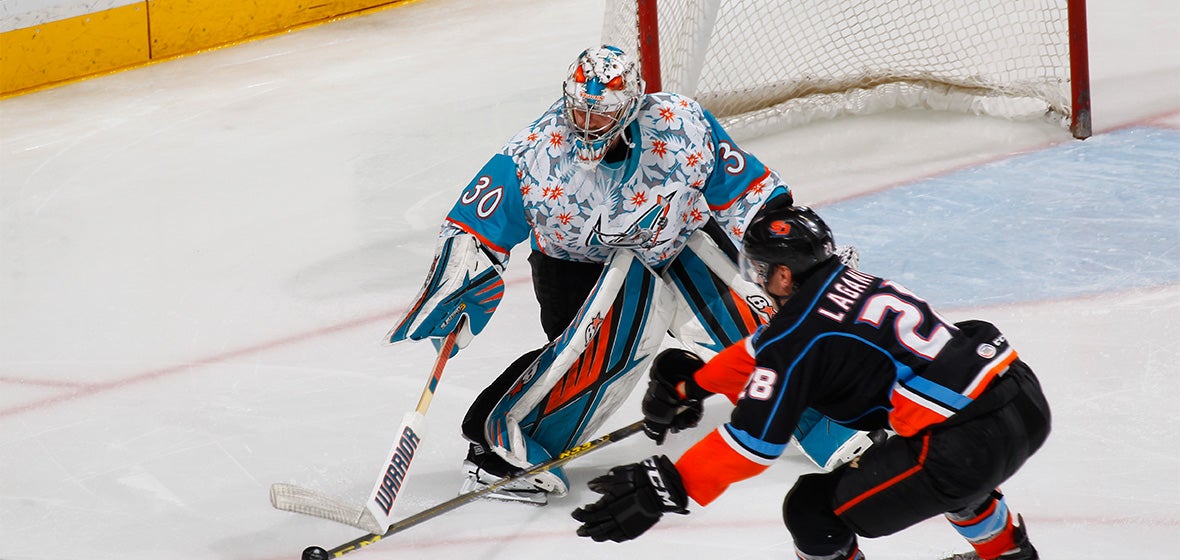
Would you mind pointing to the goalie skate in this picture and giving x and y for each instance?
(521, 491)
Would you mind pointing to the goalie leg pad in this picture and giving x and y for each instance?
(585, 374)
(562, 288)
(714, 306)
(827, 443)
(483, 466)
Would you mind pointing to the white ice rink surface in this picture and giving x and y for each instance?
(198, 260)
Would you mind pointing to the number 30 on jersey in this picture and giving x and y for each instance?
(486, 200)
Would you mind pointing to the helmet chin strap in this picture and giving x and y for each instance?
(621, 142)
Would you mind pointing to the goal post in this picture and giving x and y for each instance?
(760, 65)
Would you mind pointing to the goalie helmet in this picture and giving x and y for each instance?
(793, 236)
(601, 94)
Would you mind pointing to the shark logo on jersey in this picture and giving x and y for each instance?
(644, 233)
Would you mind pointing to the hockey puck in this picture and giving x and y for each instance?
(315, 553)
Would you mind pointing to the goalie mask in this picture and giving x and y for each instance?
(793, 236)
(601, 95)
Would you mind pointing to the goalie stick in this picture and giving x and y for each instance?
(376, 514)
(317, 553)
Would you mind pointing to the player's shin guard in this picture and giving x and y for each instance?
(989, 527)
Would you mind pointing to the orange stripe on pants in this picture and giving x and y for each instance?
(888, 483)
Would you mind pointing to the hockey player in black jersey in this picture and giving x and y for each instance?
(965, 411)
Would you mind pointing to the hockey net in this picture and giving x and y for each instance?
(760, 65)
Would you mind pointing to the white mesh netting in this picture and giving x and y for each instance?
(761, 65)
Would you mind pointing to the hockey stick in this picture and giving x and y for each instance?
(376, 513)
(317, 553)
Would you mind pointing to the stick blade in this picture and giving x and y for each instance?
(296, 499)
(393, 474)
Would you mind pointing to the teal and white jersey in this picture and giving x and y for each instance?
(681, 170)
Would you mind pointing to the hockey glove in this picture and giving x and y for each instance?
(634, 498)
(463, 281)
(673, 399)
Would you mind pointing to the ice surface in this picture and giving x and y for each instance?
(198, 260)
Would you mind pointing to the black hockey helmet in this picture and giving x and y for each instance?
(793, 236)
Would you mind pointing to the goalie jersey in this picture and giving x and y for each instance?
(682, 169)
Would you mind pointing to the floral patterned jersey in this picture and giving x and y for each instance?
(682, 168)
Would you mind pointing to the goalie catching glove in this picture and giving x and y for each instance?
(464, 281)
(673, 399)
(634, 497)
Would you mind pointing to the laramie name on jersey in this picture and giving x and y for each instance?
(843, 293)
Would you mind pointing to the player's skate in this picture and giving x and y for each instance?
(1024, 550)
(856, 554)
(485, 468)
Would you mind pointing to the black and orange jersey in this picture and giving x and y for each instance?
(861, 350)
